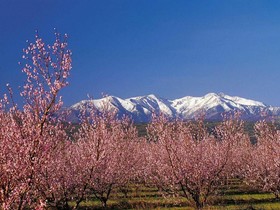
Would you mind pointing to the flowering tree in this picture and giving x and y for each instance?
(56, 178)
(107, 147)
(263, 167)
(231, 132)
(10, 156)
(30, 134)
(40, 168)
(183, 160)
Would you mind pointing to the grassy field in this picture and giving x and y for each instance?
(236, 195)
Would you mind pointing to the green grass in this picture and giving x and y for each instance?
(236, 195)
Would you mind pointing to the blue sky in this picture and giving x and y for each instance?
(171, 48)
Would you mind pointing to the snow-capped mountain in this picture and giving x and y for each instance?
(212, 105)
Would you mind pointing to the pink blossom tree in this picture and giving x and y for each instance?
(30, 135)
(108, 149)
(231, 131)
(56, 180)
(263, 168)
(188, 163)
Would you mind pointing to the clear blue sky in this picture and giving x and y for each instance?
(171, 48)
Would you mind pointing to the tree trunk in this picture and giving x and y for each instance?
(198, 203)
(276, 195)
(64, 206)
(104, 202)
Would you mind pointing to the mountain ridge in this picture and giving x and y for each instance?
(212, 105)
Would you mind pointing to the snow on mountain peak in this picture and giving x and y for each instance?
(212, 104)
(152, 96)
(244, 101)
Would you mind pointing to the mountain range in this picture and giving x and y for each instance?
(211, 105)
